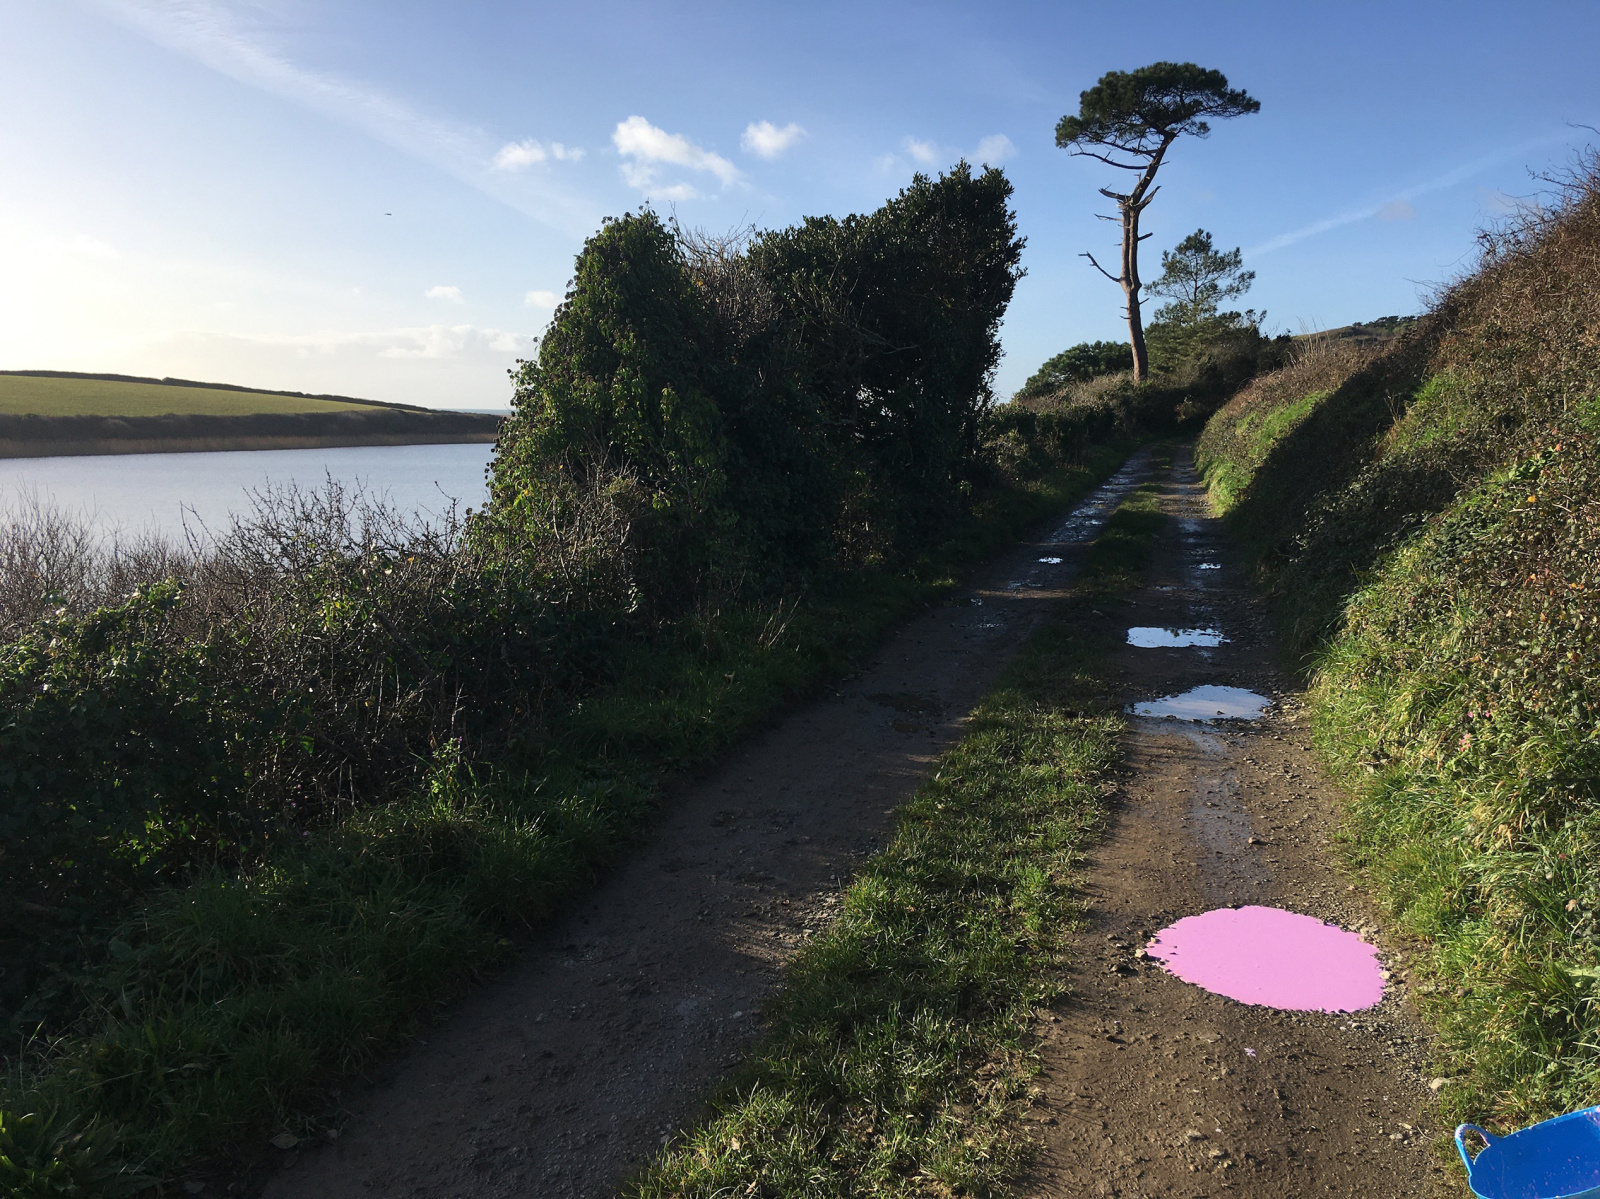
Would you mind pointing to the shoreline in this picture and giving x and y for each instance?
(87, 447)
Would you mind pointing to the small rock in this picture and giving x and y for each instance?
(1437, 1085)
(194, 1186)
(284, 1140)
(1194, 1134)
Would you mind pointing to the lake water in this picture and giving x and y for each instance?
(135, 493)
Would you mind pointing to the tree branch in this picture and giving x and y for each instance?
(1117, 279)
(1080, 152)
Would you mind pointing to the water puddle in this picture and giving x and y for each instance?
(1148, 637)
(1208, 702)
(1051, 561)
(1209, 566)
(1272, 958)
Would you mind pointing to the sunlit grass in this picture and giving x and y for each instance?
(21, 395)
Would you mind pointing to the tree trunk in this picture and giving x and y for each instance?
(1130, 206)
(1130, 271)
(1141, 356)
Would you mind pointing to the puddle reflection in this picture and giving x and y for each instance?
(1148, 637)
(1209, 702)
(1273, 958)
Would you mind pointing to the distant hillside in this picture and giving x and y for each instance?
(1363, 333)
(49, 413)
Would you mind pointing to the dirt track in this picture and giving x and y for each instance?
(567, 1073)
(1154, 1087)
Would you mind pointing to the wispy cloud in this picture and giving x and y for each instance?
(996, 148)
(220, 37)
(920, 153)
(445, 292)
(541, 299)
(766, 140)
(1400, 201)
(647, 148)
(518, 156)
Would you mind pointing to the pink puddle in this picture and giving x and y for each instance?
(1273, 958)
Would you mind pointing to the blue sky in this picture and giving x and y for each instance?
(384, 199)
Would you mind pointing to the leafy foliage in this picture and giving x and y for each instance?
(1195, 279)
(1137, 111)
(1077, 364)
(757, 412)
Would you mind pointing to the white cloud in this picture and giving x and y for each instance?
(233, 40)
(648, 147)
(91, 247)
(997, 147)
(766, 140)
(517, 156)
(541, 299)
(922, 151)
(445, 292)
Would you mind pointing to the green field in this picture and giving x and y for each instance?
(21, 395)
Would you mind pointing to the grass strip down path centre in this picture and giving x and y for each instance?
(897, 1056)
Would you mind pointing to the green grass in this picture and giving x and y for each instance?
(1463, 690)
(22, 395)
(1253, 435)
(230, 1006)
(898, 1059)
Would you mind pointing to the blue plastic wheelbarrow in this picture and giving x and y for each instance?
(1554, 1159)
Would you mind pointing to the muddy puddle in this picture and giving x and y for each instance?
(1270, 957)
(1208, 702)
(1148, 637)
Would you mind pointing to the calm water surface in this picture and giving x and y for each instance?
(136, 493)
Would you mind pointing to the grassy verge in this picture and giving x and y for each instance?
(1430, 532)
(1462, 692)
(898, 1053)
(228, 1008)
